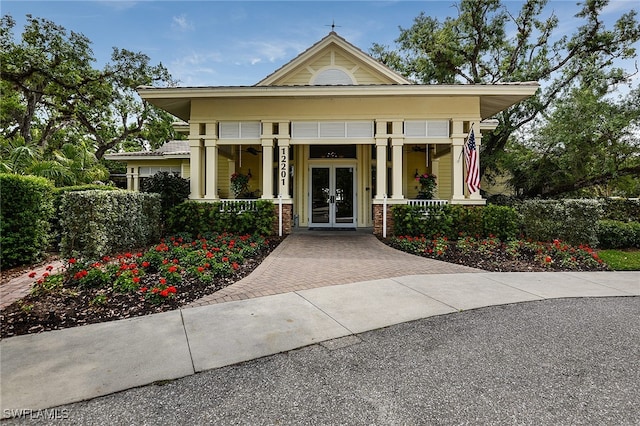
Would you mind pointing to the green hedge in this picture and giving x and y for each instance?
(56, 230)
(614, 234)
(96, 223)
(572, 221)
(453, 220)
(24, 218)
(622, 209)
(196, 217)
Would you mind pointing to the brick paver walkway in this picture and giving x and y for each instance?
(311, 259)
(19, 287)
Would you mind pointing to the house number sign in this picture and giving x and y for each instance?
(284, 165)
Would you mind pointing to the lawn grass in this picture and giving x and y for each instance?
(619, 260)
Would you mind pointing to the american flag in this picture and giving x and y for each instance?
(471, 160)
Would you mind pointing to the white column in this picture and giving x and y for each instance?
(397, 144)
(457, 161)
(381, 168)
(267, 168)
(211, 169)
(129, 178)
(195, 147)
(382, 140)
(136, 179)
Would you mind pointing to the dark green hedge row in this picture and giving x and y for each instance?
(196, 218)
(615, 234)
(24, 218)
(452, 220)
(98, 223)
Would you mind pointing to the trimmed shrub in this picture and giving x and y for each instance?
(572, 221)
(467, 220)
(501, 221)
(454, 220)
(614, 234)
(56, 231)
(622, 209)
(172, 188)
(195, 217)
(418, 220)
(24, 218)
(97, 223)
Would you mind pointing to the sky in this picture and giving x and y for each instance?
(229, 43)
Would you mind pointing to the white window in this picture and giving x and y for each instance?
(239, 130)
(331, 129)
(332, 77)
(426, 129)
(152, 170)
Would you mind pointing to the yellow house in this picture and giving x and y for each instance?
(333, 135)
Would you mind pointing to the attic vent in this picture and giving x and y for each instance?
(332, 77)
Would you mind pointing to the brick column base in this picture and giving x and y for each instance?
(377, 220)
(287, 219)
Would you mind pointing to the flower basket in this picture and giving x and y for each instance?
(239, 184)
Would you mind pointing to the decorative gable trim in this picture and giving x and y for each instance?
(342, 44)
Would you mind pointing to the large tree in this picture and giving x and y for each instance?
(486, 44)
(52, 94)
(589, 141)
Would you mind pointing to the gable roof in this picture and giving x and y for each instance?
(304, 62)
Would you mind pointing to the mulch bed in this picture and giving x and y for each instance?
(72, 307)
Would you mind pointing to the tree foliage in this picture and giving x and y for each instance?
(53, 95)
(486, 44)
(588, 142)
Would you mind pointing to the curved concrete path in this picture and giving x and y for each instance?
(312, 259)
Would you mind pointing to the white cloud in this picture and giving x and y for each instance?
(181, 23)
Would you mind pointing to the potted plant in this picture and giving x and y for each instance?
(427, 186)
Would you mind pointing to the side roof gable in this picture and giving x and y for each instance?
(333, 61)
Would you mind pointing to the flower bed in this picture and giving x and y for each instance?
(492, 254)
(164, 277)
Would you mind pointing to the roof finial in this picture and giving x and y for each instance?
(333, 25)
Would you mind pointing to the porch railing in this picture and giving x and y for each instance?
(427, 203)
(238, 206)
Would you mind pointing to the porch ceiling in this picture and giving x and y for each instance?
(493, 98)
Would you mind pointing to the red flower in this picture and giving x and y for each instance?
(235, 266)
(72, 261)
(128, 255)
(139, 254)
(143, 289)
(225, 259)
(163, 281)
(172, 269)
(46, 274)
(206, 265)
(165, 261)
(145, 264)
(32, 275)
(49, 268)
(547, 259)
(155, 290)
(172, 289)
(200, 269)
(164, 293)
(209, 255)
(106, 259)
(176, 261)
(136, 279)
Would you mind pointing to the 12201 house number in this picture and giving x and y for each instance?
(284, 160)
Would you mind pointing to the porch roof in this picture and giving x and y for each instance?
(171, 149)
(493, 98)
